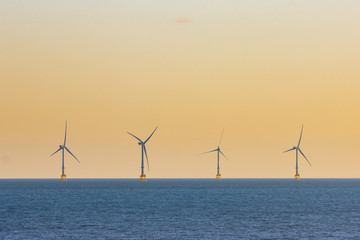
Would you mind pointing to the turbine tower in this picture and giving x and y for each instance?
(63, 147)
(218, 150)
(143, 150)
(297, 148)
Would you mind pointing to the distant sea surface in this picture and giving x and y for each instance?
(180, 209)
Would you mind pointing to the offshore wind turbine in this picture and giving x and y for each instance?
(62, 148)
(297, 148)
(218, 150)
(143, 150)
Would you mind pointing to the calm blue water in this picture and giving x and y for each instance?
(180, 209)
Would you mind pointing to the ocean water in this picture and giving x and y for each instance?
(180, 209)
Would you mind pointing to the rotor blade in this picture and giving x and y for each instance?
(135, 137)
(289, 150)
(150, 135)
(55, 152)
(65, 132)
(304, 156)
(208, 151)
(222, 134)
(147, 160)
(300, 135)
(72, 154)
(224, 155)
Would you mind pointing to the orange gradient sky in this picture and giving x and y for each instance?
(259, 69)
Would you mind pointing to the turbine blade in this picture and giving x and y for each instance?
(147, 160)
(224, 155)
(289, 150)
(55, 152)
(222, 134)
(72, 154)
(208, 152)
(304, 157)
(300, 135)
(65, 132)
(135, 137)
(150, 135)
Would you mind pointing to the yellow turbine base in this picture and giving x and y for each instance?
(142, 178)
(297, 177)
(63, 177)
(218, 176)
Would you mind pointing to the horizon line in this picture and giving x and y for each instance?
(179, 178)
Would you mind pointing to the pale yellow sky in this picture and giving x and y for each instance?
(259, 69)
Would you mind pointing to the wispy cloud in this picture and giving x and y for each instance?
(183, 20)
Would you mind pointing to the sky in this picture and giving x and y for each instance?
(257, 69)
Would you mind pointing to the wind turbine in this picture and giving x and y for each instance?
(143, 150)
(62, 147)
(297, 148)
(218, 175)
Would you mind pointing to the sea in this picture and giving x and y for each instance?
(180, 209)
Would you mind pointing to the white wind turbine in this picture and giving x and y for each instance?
(63, 147)
(297, 148)
(143, 150)
(218, 150)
